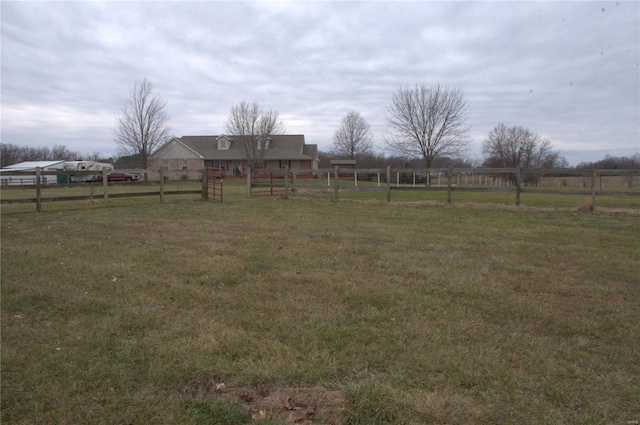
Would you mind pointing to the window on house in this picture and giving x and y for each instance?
(263, 143)
(165, 165)
(185, 164)
(223, 144)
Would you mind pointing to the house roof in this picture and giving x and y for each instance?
(343, 162)
(311, 150)
(31, 165)
(284, 146)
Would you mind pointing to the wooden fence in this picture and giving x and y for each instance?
(48, 179)
(511, 180)
(517, 181)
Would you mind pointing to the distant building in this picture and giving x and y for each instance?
(349, 164)
(24, 173)
(193, 153)
(343, 163)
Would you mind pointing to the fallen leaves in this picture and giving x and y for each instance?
(287, 403)
(246, 397)
(311, 410)
(259, 416)
(291, 405)
(297, 414)
(206, 383)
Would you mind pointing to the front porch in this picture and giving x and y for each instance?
(232, 168)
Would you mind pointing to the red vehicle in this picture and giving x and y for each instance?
(119, 177)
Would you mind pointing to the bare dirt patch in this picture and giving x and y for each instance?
(300, 405)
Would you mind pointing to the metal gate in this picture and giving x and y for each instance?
(279, 182)
(215, 180)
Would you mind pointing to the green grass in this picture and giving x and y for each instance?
(415, 313)
(218, 411)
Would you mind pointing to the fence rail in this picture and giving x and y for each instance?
(506, 180)
(336, 180)
(98, 179)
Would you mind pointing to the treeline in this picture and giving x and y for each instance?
(380, 160)
(614, 163)
(12, 154)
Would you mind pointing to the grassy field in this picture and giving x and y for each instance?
(354, 312)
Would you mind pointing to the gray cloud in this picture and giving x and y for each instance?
(568, 70)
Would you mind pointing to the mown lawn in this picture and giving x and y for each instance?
(360, 312)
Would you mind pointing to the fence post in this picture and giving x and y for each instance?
(105, 186)
(335, 183)
(518, 178)
(449, 185)
(205, 184)
(388, 183)
(248, 182)
(161, 184)
(38, 190)
(286, 182)
(594, 180)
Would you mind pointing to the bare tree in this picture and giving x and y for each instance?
(143, 127)
(353, 138)
(255, 124)
(427, 122)
(12, 154)
(518, 146)
(9, 154)
(62, 152)
(97, 156)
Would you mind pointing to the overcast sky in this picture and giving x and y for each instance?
(567, 70)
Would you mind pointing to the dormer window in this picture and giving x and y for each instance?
(264, 143)
(223, 143)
